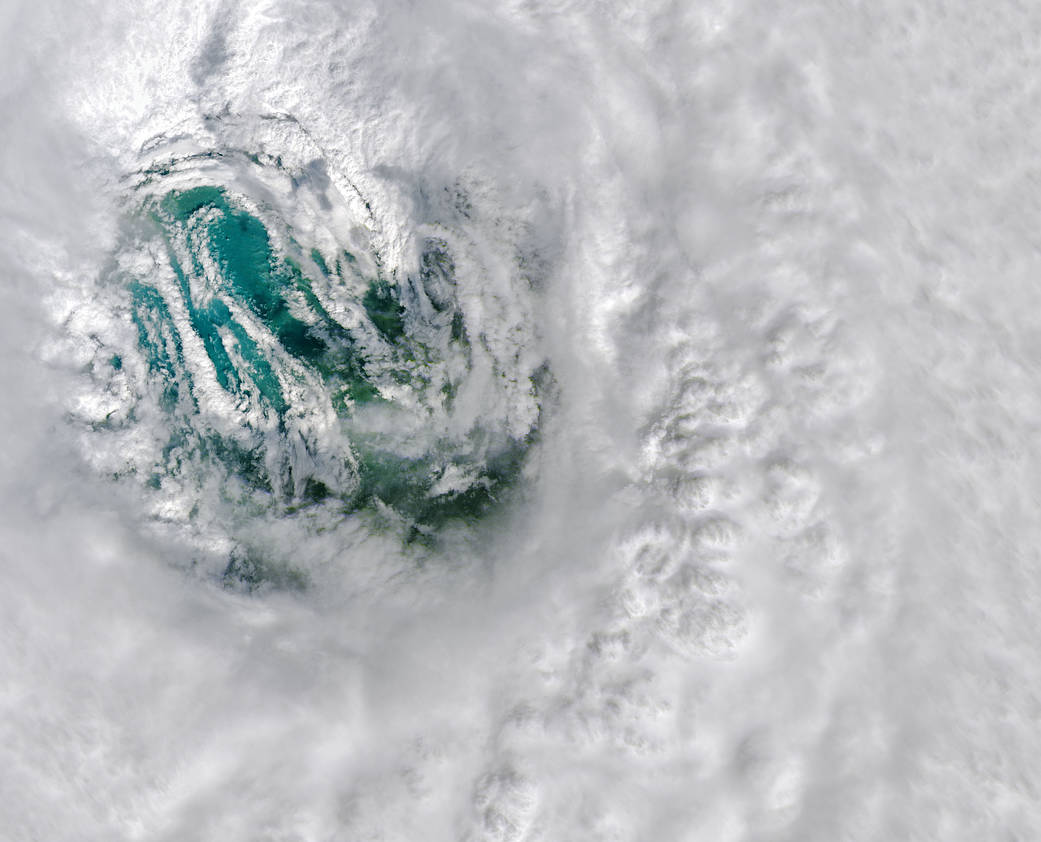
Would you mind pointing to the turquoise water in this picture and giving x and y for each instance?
(259, 307)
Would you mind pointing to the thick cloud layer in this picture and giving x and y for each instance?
(768, 572)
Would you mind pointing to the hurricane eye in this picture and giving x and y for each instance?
(273, 369)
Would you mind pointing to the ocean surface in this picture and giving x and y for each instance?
(532, 421)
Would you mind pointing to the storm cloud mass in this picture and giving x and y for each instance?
(526, 421)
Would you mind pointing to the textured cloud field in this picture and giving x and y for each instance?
(637, 439)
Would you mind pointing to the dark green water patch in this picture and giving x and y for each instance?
(319, 261)
(409, 485)
(248, 570)
(383, 308)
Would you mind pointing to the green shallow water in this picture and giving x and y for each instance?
(260, 307)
